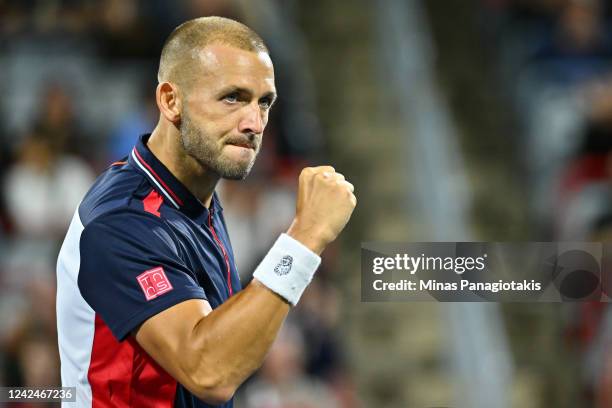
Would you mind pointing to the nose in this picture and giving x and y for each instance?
(253, 120)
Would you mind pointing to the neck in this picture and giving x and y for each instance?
(165, 144)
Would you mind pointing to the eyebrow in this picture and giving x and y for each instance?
(245, 91)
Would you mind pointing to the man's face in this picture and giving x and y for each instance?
(226, 108)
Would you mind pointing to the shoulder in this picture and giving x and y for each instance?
(113, 192)
(129, 228)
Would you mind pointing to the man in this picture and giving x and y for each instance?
(148, 302)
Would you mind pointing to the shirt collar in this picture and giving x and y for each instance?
(173, 191)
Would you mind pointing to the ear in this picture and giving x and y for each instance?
(169, 101)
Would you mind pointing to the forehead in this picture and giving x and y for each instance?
(222, 65)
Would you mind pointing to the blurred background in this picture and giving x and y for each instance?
(483, 120)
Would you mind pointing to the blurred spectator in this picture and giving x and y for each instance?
(135, 123)
(282, 381)
(555, 64)
(33, 360)
(47, 180)
(44, 186)
(45, 17)
(55, 120)
(318, 316)
(580, 46)
(124, 32)
(564, 51)
(591, 164)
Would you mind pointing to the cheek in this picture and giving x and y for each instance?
(210, 122)
(204, 112)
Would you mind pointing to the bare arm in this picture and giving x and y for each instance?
(211, 352)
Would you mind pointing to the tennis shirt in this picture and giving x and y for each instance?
(138, 244)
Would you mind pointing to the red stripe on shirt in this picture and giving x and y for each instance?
(178, 200)
(225, 257)
(122, 374)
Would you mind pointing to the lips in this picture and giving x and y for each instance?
(244, 144)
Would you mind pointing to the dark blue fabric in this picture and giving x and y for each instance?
(121, 240)
(117, 247)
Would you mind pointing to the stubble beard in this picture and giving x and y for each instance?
(207, 153)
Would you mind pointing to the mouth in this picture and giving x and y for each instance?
(244, 145)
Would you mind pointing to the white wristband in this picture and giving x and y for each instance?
(287, 268)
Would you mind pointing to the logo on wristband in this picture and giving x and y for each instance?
(284, 266)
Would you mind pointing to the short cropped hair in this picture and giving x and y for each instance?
(178, 62)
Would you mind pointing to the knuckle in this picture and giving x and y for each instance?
(324, 176)
(306, 173)
(347, 186)
(324, 169)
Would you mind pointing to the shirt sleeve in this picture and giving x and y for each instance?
(131, 269)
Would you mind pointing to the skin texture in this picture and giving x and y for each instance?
(211, 130)
(201, 128)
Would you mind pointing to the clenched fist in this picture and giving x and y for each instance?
(325, 202)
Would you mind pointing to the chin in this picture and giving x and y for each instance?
(234, 176)
(236, 173)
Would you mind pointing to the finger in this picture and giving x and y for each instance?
(306, 172)
(348, 185)
(339, 177)
(323, 169)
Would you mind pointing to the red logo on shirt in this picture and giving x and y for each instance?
(154, 282)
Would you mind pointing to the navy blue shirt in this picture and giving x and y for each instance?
(146, 243)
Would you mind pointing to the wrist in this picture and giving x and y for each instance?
(287, 268)
(307, 237)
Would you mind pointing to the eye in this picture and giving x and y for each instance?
(265, 103)
(231, 98)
